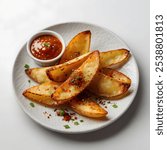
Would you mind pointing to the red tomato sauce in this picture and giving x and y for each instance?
(46, 47)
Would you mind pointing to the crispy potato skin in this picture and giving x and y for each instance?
(116, 75)
(88, 108)
(79, 45)
(103, 85)
(78, 80)
(42, 94)
(114, 58)
(60, 73)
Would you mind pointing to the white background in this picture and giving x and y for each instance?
(19, 19)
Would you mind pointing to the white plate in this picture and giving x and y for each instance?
(103, 40)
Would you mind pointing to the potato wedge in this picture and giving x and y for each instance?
(79, 45)
(60, 73)
(103, 85)
(114, 58)
(87, 107)
(42, 94)
(38, 74)
(116, 75)
(78, 80)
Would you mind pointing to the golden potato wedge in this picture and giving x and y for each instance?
(42, 94)
(103, 85)
(56, 73)
(116, 75)
(60, 73)
(87, 107)
(114, 58)
(79, 45)
(38, 74)
(78, 80)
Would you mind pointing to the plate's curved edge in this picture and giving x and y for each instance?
(89, 130)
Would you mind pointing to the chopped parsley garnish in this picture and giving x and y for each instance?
(66, 126)
(46, 44)
(81, 121)
(26, 66)
(32, 105)
(76, 123)
(29, 81)
(62, 112)
(114, 106)
(72, 119)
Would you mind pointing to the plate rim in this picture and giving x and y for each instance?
(88, 130)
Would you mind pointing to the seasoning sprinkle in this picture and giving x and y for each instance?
(26, 66)
(114, 106)
(76, 123)
(46, 44)
(32, 104)
(66, 126)
(62, 112)
(81, 121)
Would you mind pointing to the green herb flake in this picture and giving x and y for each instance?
(29, 81)
(26, 66)
(46, 44)
(76, 123)
(81, 121)
(72, 119)
(66, 126)
(62, 112)
(115, 106)
(32, 105)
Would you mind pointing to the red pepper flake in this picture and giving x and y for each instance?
(67, 117)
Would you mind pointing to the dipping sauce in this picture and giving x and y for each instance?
(46, 47)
